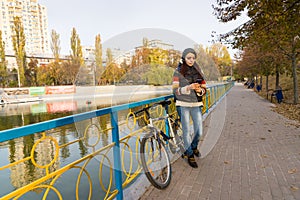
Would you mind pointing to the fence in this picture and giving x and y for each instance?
(83, 156)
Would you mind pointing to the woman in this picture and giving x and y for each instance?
(189, 86)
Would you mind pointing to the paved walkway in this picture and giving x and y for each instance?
(257, 155)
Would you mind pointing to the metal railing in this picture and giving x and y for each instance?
(100, 159)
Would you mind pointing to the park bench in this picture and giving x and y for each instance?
(275, 94)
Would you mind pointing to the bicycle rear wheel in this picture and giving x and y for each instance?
(155, 162)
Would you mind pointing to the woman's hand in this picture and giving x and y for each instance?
(198, 89)
(194, 86)
(201, 89)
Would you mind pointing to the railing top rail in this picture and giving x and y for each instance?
(13, 133)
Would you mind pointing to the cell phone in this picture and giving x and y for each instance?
(199, 80)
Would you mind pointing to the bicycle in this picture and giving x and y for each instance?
(154, 156)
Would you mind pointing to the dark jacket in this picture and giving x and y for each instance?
(192, 75)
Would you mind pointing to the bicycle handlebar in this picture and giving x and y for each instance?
(162, 103)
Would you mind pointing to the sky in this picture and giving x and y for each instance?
(192, 19)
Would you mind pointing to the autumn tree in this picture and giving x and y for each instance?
(55, 45)
(249, 63)
(221, 57)
(145, 55)
(76, 49)
(109, 56)
(71, 68)
(55, 72)
(112, 72)
(69, 72)
(18, 40)
(52, 74)
(277, 22)
(31, 73)
(207, 64)
(3, 63)
(287, 30)
(158, 75)
(43, 76)
(98, 56)
(173, 58)
(141, 57)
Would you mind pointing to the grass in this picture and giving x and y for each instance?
(287, 108)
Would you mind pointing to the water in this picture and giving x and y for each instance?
(15, 115)
(85, 99)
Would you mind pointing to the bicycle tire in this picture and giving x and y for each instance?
(155, 162)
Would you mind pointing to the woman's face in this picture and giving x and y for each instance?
(190, 59)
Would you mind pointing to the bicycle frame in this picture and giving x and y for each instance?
(169, 136)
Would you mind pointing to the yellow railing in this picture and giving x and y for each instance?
(81, 156)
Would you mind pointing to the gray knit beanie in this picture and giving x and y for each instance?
(188, 50)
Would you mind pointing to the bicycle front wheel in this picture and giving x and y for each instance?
(155, 162)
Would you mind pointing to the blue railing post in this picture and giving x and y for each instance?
(117, 155)
(166, 123)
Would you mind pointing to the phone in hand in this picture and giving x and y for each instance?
(199, 80)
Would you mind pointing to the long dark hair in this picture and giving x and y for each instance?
(183, 68)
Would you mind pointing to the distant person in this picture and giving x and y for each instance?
(251, 84)
(278, 94)
(258, 88)
(188, 87)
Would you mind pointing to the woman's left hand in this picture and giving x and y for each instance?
(198, 89)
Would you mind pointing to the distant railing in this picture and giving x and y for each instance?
(107, 160)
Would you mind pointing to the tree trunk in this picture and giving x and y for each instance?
(267, 86)
(295, 80)
(277, 78)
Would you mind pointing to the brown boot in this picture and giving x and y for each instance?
(192, 161)
(197, 153)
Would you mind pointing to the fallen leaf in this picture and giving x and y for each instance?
(294, 188)
(292, 171)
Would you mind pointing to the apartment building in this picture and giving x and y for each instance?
(159, 44)
(35, 23)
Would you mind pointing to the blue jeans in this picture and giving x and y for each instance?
(185, 114)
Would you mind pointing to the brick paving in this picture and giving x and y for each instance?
(257, 156)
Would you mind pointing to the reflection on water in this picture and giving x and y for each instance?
(85, 99)
(25, 172)
(15, 115)
(44, 153)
